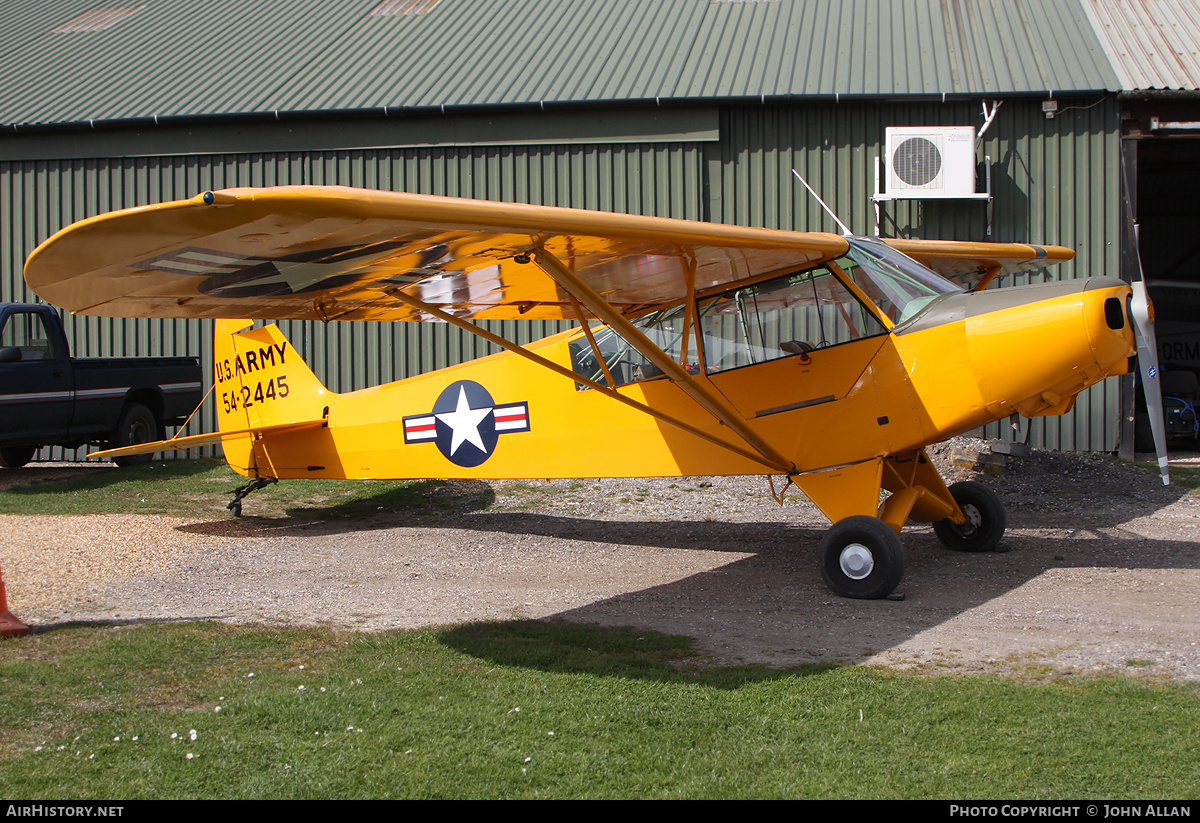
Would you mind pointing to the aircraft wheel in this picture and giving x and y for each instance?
(862, 557)
(137, 425)
(985, 524)
(16, 456)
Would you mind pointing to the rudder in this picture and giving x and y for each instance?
(261, 381)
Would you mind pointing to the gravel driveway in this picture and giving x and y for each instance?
(1102, 569)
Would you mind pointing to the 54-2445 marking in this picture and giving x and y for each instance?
(246, 397)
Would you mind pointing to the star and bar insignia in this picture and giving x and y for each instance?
(466, 423)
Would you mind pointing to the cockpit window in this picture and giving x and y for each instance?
(625, 363)
(897, 284)
(793, 314)
(788, 315)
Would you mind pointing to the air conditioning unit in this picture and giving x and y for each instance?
(937, 161)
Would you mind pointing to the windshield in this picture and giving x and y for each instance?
(897, 284)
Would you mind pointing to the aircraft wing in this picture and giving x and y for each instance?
(335, 253)
(964, 262)
(332, 253)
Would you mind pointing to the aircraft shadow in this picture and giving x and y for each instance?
(766, 602)
(758, 597)
(773, 604)
(447, 502)
(438, 502)
(565, 647)
(1069, 501)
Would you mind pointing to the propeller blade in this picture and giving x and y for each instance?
(1142, 317)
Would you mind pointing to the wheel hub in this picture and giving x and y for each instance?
(974, 520)
(856, 561)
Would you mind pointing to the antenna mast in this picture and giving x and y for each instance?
(845, 231)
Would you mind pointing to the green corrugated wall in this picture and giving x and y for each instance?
(1055, 181)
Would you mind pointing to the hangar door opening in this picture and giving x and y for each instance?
(1167, 206)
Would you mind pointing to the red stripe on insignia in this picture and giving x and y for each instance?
(420, 428)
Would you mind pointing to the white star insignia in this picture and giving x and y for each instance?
(301, 275)
(464, 423)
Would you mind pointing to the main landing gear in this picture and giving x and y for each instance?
(861, 556)
(986, 520)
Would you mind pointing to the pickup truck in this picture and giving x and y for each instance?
(48, 398)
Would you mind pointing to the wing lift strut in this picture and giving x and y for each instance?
(582, 295)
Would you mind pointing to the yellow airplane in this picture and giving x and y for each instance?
(828, 361)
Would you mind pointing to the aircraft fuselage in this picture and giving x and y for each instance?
(966, 360)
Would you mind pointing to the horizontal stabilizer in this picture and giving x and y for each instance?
(196, 440)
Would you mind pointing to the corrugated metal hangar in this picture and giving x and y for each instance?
(696, 109)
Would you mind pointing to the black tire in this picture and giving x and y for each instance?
(862, 557)
(986, 519)
(14, 457)
(137, 425)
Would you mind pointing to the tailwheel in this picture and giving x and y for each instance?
(235, 505)
(986, 519)
(862, 557)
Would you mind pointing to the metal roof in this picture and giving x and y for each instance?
(64, 61)
(1152, 44)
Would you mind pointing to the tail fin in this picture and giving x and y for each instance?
(262, 385)
(261, 382)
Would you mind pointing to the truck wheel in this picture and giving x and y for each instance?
(137, 425)
(15, 457)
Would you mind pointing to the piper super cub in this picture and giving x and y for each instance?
(830, 361)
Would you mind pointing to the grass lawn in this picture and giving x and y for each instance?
(198, 488)
(544, 709)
